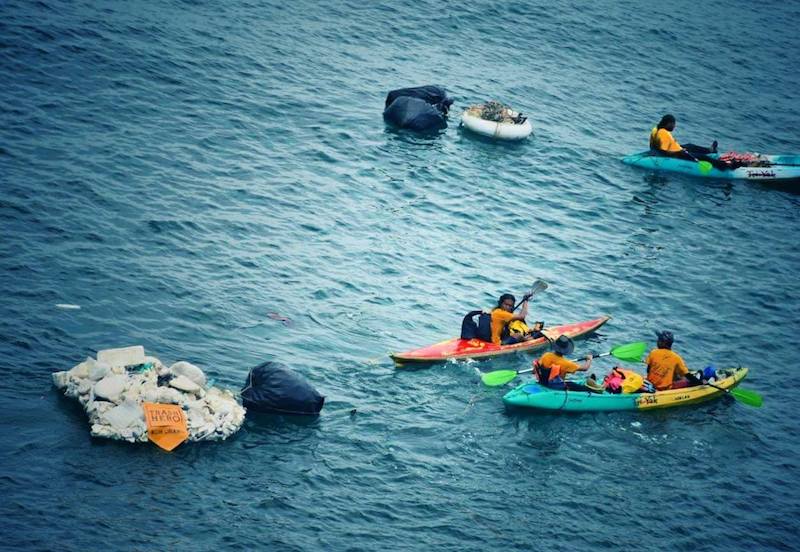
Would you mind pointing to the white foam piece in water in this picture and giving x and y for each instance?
(183, 383)
(67, 306)
(124, 356)
(189, 370)
(61, 379)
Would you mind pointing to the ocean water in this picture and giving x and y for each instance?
(181, 170)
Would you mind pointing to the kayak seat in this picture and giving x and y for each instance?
(680, 384)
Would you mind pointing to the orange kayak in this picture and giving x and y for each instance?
(475, 348)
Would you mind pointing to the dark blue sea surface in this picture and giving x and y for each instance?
(181, 170)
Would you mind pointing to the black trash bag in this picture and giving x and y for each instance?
(273, 387)
(414, 114)
(434, 95)
(422, 109)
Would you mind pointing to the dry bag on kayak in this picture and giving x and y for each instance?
(481, 330)
(620, 380)
(272, 387)
(469, 329)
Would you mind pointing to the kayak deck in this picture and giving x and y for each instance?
(533, 395)
(457, 348)
(782, 167)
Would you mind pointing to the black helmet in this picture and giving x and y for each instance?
(665, 337)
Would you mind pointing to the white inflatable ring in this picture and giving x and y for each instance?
(501, 131)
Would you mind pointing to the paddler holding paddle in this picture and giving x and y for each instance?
(663, 143)
(551, 368)
(503, 314)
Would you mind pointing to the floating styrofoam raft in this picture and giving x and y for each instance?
(112, 389)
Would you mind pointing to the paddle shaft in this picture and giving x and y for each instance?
(696, 160)
(728, 391)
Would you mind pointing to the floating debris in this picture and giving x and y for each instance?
(114, 388)
(67, 306)
(275, 316)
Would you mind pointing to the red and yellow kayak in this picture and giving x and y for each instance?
(475, 348)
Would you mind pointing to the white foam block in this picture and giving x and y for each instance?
(124, 356)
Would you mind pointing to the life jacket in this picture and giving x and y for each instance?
(620, 380)
(549, 377)
(663, 142)
(482, 330)
(518, 329)
(654, 142)
(613, 381)
(632, 382)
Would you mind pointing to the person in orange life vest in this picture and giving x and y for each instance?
(662, 142)
(552, 367)
(665, 367)
(503, 314)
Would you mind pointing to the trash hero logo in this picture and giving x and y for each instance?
(164, 416)
(166, 424)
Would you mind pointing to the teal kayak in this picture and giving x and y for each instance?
(763, 167)
(533, 395)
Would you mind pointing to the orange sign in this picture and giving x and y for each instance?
(166, 424)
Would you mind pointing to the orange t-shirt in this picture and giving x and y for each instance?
(661, 139)
(500, 318)
(662, 364)
(565, 365)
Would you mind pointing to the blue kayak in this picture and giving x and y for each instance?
(533, 395)
(758, 167)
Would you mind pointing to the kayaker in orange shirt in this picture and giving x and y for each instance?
(662, 142)
(504, 313)
(665, 367)
(552, 367)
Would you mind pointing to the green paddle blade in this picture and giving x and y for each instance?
(748, 397)
(630, 352)
(498, 377)
(704, 166)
